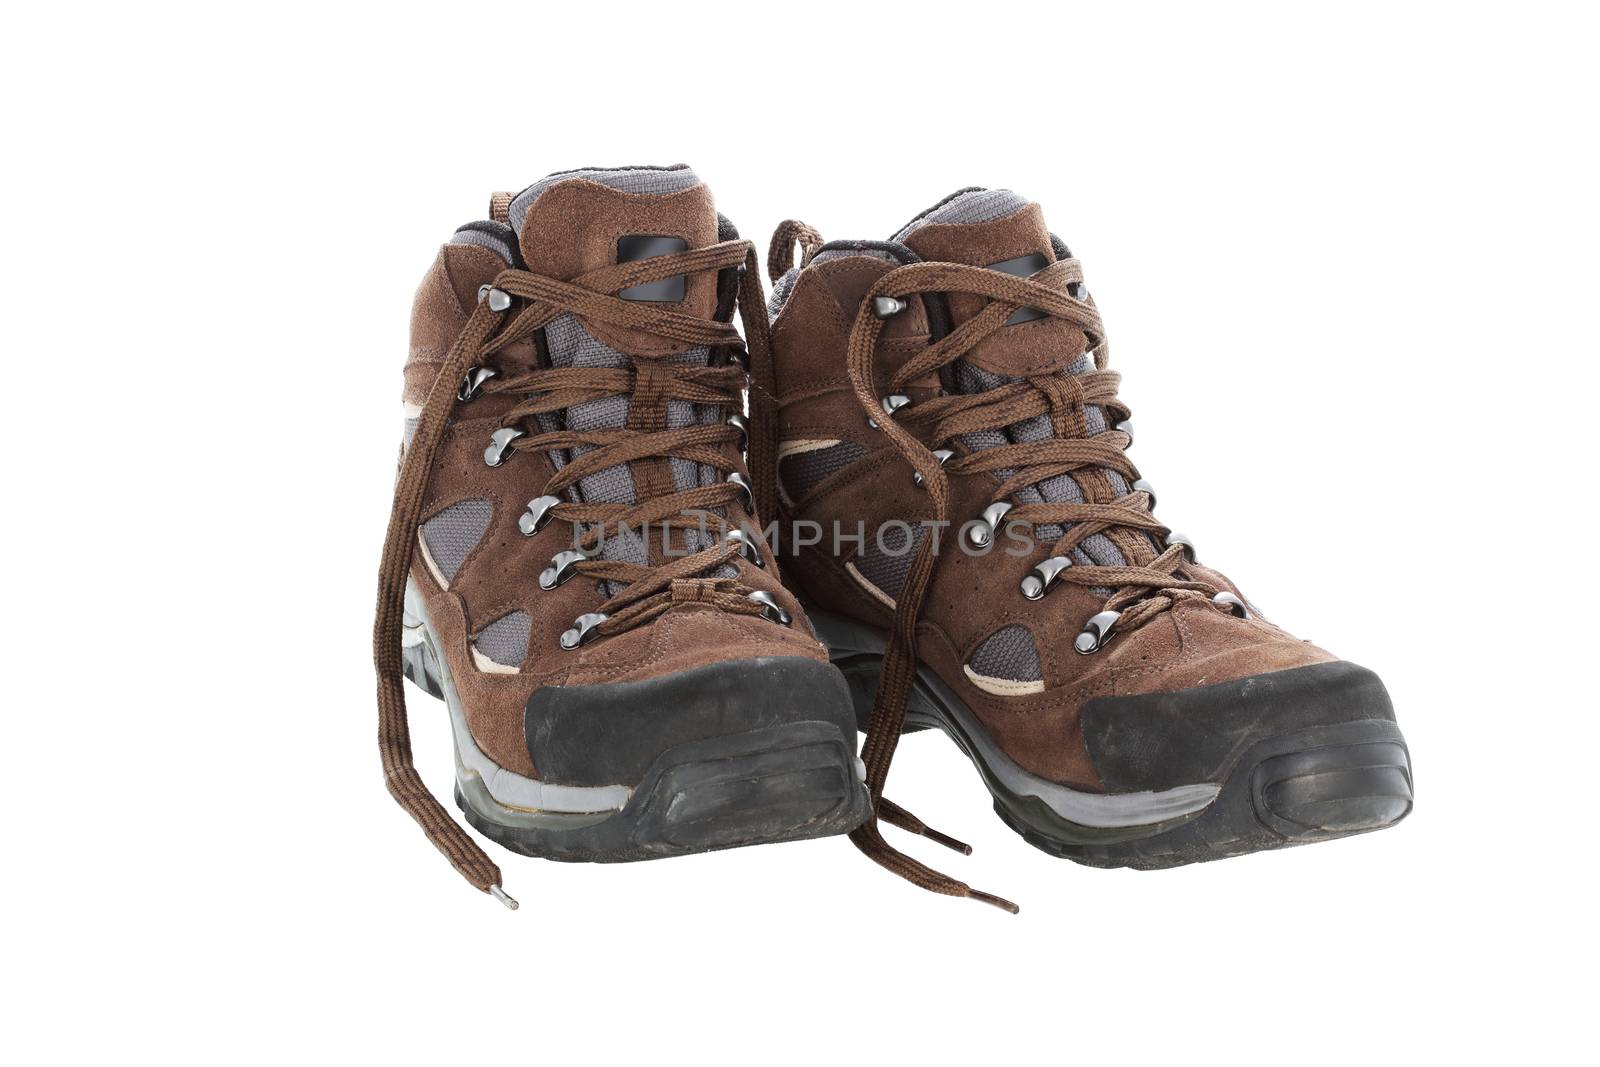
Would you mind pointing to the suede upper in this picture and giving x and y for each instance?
(970, 598)
(573, 227)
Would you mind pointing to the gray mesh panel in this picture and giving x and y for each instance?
(686, 473)
(506, 639)
(641, 181)
(452, 534)
(887, 569)
(804, 470)
(1063, 488)
(572, 346)
(1008, 653)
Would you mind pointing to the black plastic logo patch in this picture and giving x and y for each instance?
(636, 246)
(1022, 267)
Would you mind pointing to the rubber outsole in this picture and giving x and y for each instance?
(1315, 784)
(787, 782)
(1297, 789)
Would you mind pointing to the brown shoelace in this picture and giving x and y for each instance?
(647, 590)
(1142, 589)
(780, 252)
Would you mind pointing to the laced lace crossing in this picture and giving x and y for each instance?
(1147, 585)
(647, 590)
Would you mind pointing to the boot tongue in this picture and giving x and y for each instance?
(999, 229)
(578, 221)
(979, 227)
(573, 222)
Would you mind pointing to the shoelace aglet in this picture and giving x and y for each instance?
(947, 841)
(989, 898)
(511, 902)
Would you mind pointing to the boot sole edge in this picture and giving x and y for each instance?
(1311, 785)
(790, 782)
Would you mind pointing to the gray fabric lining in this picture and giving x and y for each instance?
(847, 253)
(971, 205)
(452, 534)
(502, 246)
(640, 181)
(408, 432)
(1010, 653)
(803, 471)
(780, 292)
(505, 641)
(785, 285)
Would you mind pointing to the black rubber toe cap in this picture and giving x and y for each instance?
(588, 735)
(1162, 740)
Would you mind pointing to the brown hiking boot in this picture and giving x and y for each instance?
(569, 563)
(985, 559)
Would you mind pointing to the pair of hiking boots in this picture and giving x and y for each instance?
(658, 624)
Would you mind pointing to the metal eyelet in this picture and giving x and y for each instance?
(582, 630)
(887, 307)
(500, 445)
(771, 610)
(1096, 632)
(890, 404)
(534, 519)
(943, 455)
(1043, 576)
(1187, 545)
(1236, 607)
(981, 531)
(1142, 486)
(747, 546)
(562, 566)
(1126, 426)
(746, 494)
(498, 299)
(472, 382)
(739, 423)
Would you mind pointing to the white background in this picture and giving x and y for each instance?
(1347, 262)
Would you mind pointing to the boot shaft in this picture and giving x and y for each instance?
(574, 562)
